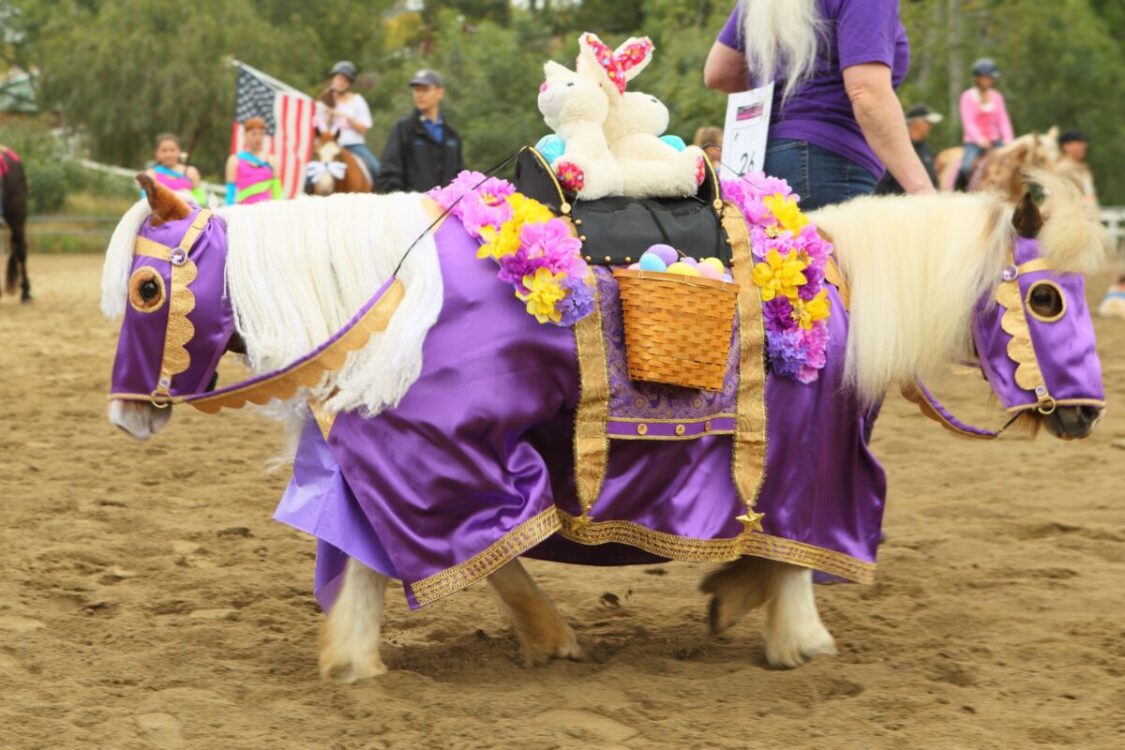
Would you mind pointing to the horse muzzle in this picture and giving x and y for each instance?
(1072, 422)
(139, 419)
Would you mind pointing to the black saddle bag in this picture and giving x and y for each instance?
(616, 230)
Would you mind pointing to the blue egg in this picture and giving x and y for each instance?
(551, 147)
(674, 141)
(652, 262)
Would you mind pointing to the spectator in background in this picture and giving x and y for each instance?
(710, 139)
(835, 120)
(1072, 166)
(252, 173)
(347, 113)
(920, 120)
(170, 173)
(984, 118)
(423, 150)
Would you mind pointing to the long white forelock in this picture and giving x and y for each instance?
(119, 259)
(297, 271)
(917, 266)
(780, 38)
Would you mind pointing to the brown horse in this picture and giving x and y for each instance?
(13, 199)
(334, 169)
(998, 169)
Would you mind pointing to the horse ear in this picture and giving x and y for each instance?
(1027, 220)
(1053, 133)
(166, 205)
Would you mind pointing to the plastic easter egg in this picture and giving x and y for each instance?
(666, 253)
(714, 263)
(689, 260)
(683, 269)
(652, 262)
(634, 266)
(707, 271)
(674, 141)
(728, 277)
(551, 147)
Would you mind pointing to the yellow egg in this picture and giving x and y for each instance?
(714, 263)
(683, 269)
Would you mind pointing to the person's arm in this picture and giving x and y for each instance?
(392, 175)
(1006, 131)
(725, 70)
(231, 176)
(880, 117)
(193, 175)
(361, 122)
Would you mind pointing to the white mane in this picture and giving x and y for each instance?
(298, 270)
(916, 267)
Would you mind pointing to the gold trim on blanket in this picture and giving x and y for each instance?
(591, 443)
(483, 564)
(748, 460)
(687, 549)
(285, 384)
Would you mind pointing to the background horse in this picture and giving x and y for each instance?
(1000, 168)
(1000, 275)
(13, 198)
(334, 169)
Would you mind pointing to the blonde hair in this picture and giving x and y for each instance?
(708, 135)
(780, 38)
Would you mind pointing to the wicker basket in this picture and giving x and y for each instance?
(677, 328)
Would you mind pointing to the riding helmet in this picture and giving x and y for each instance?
(346, 67)
(986, 66)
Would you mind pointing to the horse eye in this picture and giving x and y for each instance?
(569, 84)
(1046, 302)
(146, 290)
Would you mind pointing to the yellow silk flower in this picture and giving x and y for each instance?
(786, 212)
(779, 275)
(506, 241)
(807, 313)
(545, 289)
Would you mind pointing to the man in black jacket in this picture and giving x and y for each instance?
(423, 150)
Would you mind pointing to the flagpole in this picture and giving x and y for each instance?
(268, 78)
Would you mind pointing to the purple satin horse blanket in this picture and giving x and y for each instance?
(476, 465)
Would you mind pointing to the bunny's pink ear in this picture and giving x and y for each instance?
(634, 55)
(595, 48)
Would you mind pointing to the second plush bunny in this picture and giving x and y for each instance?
(650, 167)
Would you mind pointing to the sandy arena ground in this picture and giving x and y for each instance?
(147, 599)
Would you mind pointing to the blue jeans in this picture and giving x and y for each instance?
(972, 151)
(818, 175)
(361, 151)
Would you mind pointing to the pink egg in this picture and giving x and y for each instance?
(635, 267)
(707, 271)
(666, 253)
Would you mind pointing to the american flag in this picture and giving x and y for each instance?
(289, 123)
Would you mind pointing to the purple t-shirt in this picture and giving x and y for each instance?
(856, 32)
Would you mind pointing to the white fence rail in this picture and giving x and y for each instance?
(1114, 219)
(219, 191)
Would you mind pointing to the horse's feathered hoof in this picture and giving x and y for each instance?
(736, 588)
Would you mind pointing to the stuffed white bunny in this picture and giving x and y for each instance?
(651, 167)
(575, 107)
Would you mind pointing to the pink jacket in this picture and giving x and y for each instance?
(991, 124)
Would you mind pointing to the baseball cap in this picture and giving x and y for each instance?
(426, 77)
(924, 112)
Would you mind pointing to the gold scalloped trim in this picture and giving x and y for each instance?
(286, 383)
(180, 330)
(748, 460)
(1020, 349)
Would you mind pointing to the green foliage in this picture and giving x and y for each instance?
(122, 71)
(50, 177)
